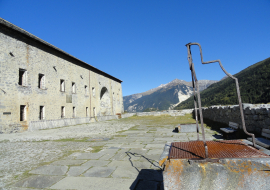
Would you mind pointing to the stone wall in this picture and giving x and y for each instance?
(20, 50)
(256, 117)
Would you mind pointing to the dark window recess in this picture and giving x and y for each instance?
(63, 112)
(41, 112)
(22, 112)
(41, 81)
(22, 77)
(62, 85)
(74, 112)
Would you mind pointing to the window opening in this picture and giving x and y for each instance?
(62, 85)
(73, 87)
(86, 111)
(41, 112)
(22, 113)
(22, 77)
(93, 91)
(41, 81)
(94, 111)
(86, 89)
(74, 112)
(63, 112)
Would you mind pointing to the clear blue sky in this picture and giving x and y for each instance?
(142, 42)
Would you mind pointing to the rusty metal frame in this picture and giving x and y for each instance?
(191, 66)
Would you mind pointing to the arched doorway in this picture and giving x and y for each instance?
(105, 102)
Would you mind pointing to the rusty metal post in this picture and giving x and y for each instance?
(191, 66)
(229, 75)
(195, 107)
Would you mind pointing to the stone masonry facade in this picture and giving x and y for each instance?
(257, 116)
(39, 82)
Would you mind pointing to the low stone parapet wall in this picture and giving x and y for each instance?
(125, 115)
(46, 124)
(257, 116)
(159, 113)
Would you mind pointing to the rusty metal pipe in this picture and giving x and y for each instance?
(237, 89)
(191, 66)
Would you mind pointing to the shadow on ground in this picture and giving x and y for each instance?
(150, 179)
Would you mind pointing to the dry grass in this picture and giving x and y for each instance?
(152, 121)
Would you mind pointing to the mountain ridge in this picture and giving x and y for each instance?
(165, 96)
(254, 82)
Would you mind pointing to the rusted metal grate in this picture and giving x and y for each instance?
(216, 149)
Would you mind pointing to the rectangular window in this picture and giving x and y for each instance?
(93, 91)
(86, 89)
(41, 112)
(94, 111)
(62, 85)
(41, 81)
(22, 77)
(86, 111)
(73, 88)
(22, 112)
(74, 112)
(63, 112)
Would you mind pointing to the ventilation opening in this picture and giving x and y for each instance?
(22, 77)
(62, 85)
(63, 112)
(41, 81)
(22, 113)
(41, 112)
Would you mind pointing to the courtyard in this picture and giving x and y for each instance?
(116, 154)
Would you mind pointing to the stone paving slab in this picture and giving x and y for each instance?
(113, 145)
(157, 145)
(99, 172)
(120, 154)
(83, 156)
(91, 163)
(77, 170)
(95, 183)
(122, 172)
(68, 162)
(155, 152)
(38, 181)
(131, 164)
(50, 170)
(133, 145)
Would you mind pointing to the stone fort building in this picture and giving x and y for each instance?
(42, 86)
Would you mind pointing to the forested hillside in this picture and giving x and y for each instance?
(254, 83)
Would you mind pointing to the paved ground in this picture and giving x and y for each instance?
(128, 159)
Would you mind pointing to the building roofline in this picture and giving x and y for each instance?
(24, 32)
